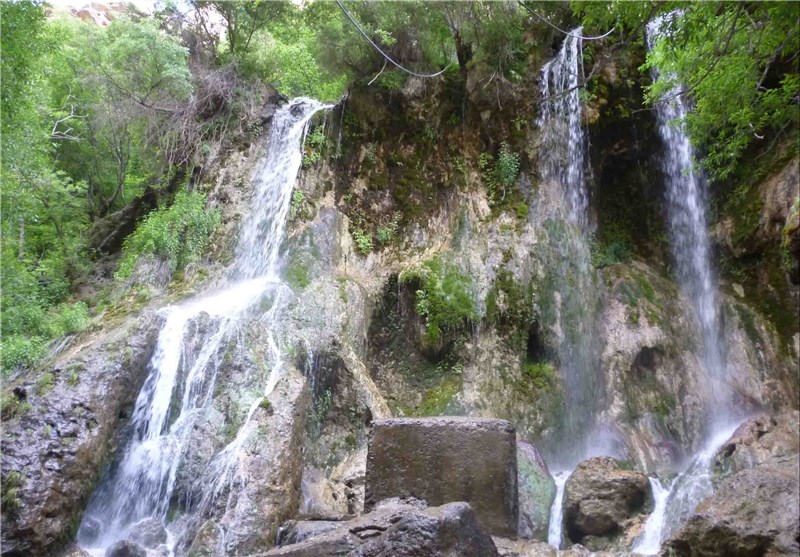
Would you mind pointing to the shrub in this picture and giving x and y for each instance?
(363, 240)
(176, 234)
(507, 166)
(20, 350)
(443, 296)
(541, 375)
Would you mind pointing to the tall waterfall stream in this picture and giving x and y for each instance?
(181, 380)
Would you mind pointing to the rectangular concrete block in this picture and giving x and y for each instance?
(447, 459)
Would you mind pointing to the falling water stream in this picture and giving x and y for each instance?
(183, 369)
(686, 211)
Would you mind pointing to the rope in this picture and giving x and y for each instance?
(521, 3)
(376, 47)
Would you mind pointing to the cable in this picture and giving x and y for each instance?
(353, 21)
(521, 3)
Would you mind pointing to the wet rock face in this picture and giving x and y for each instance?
(755, 509)
(600, 499)
(55, 449)
(755, 512)
(126, 548)
(762, 439)
(441, 460)
(148, 533)
(401, 530)
(537, 490)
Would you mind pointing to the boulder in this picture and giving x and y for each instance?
(296, 531)
(126, 548)
(601, 501)
(56, 444)
(400, 528)
(761, 439)
(753, 512)
(447, 459)
(148, 533)
(537, 491)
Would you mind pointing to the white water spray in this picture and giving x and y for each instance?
(650, 541)
(686, 209)
(563, 138)
(189, 353)
(554, 533)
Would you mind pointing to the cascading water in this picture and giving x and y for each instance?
(686, 210)
(554, 531)
(188, 355)
(650, 541)
(570, 297)
(563, 136)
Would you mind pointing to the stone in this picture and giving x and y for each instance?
(321, 498)
(447, 459)
(601, 499)
(754, 512)
(537, 491)
(58, 445)
(400, 529)
(148, 533)
(760, 440)
(126, 548)
(296, 531)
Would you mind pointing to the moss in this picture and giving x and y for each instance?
(509, 304)
(45, 384)
(443, 296)
(541, 375)
(10, 484)
(435, 400)
(266, 405)
(297, 274)
(11, 406)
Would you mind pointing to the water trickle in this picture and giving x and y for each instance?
(189, 351)
(554, 532)
(563, 136)
(650, 541)
(686, 209)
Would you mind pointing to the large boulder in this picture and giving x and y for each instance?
(400, 529)
(148, 533)
(754, 512)
(537, 491)
(126, 548)
(761, 439)
(447, 459)
(755, 509)
(602, 500)
(62, 429)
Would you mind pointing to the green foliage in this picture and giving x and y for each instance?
(508, 303)
(176, 234)
(315, 144)
(606, 254)
(9, 485)
(363, 240)
(298, 197)
(386, 234)
(18, 350)
(11, 406)
(319, 409)
(507, 166)
(541, 375)
(443, 296)
(737, 61)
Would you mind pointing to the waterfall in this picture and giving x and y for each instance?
(563, 136)
(189, 353)
(650, 541)
(686, 210)
(554, 532)
(570, 295)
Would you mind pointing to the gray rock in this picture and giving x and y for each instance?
(148, 533)
(754, 512)
(59, 444)
(126, 548)
(400, 529)
(296, 531)
(442, 460)
(760, 440)
(600, 499)
(537, 491)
